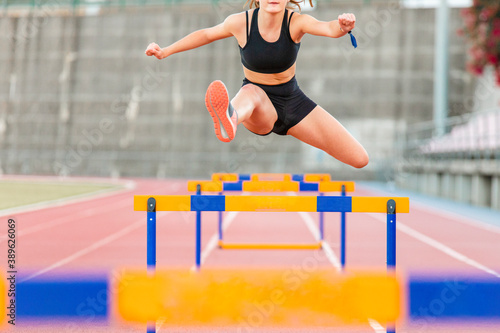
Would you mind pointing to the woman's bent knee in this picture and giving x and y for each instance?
(355, 157)
(252, 91)
(361, 161)
(262, 117)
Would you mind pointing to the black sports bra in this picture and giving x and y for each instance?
(264, 57)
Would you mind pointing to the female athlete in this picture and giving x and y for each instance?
(270, 99)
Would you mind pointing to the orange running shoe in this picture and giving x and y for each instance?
(222, 112)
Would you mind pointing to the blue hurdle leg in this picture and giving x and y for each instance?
(198, 233)
(342, 234)
(391, 235)
(321, 225)
(220, 223)
(391, 246)
(151, 247)
(220, 226)
(151, 327)
(151, 235)
(198, 239)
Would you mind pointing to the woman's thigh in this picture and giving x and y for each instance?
(255, 109)
(321, 130)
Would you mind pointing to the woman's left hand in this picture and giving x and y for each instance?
(347, 22)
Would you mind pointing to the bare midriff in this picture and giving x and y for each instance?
(270, 79)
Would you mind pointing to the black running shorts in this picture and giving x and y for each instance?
(291, 104)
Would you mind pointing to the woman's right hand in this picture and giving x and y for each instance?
(154, 50)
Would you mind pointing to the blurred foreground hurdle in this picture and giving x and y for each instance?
(136, 297)
(223, 298)
(201, 203)
(321, 183)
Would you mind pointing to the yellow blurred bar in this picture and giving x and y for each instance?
(271, 177)
(270, 186)
(255, 246)
(317, 177)
(206, 185)
(277, 297)
(336, 186)
(271, 203)
(225, 177)
(379, 204)
(164, 202)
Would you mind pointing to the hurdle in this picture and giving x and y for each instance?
(321, 183)
(131, 295)
(198, 203)
(308, 177)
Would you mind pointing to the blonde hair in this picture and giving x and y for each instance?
(291, 5)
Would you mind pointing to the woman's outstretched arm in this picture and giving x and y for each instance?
(195, 39)
(306, 24)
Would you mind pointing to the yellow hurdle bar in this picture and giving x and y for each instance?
(308, 177)
(277, 297)
(335, 186)
(269, 183)
(276, 203)
(270, 186)
(225, 177)
(271, 177)
(271, 203)
(317, 177)
(206, 185)
(256, 246)
(164, 202)
(379, 204)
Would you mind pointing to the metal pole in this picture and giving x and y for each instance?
(198, 232)
(220, 223)
(321, 224)
(391, 247)
(151, 248)
(441, 46)
(342, 234)
(391, 235)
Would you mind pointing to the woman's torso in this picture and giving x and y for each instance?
(268, 56)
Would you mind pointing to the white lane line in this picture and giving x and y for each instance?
(376, 326)
(449, 214)
(128, 187)
(159, 323)
(333, 260)
(466, 221)
(62, 220)
(214, 240)
(311, 225)
(100, 243)
(437, 245)
(330, 255)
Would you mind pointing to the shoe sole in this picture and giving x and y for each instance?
(217, 102)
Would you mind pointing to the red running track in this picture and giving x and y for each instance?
(104, 234)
